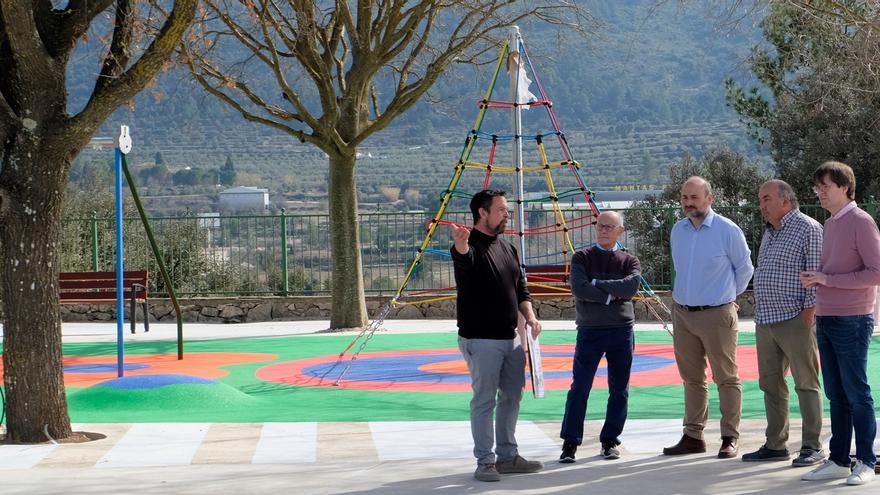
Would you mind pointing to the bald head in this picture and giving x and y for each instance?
(696, 199)
(697, 181)
(610, 218)
(609, 227)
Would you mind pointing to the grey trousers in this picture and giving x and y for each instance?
(497, 369)
(784, 346)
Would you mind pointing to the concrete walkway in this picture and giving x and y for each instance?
(407, 458)
(375, 457)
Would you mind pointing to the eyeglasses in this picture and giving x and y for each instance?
(605, 226)
(823, 188)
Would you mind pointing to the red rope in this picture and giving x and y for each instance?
(489, 165)
(511, 104)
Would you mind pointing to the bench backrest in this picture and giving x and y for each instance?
(548, 280)
(101, 286)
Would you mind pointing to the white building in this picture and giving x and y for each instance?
(244, 199)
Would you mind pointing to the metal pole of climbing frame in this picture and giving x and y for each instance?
(514, 66)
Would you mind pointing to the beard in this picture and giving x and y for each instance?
(695, 213)
(498, 229)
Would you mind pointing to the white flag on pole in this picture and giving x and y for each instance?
(522, 88)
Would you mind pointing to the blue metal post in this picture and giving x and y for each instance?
(120, 306)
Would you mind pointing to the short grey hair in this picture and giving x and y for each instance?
(616, 215)
(785, 191)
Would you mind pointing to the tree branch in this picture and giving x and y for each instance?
(241, 34)
(310, 57)
(28, 53)
(477, 24)
(269, 20)
(75, 21)
(403, 42)
(119, 55)
(127, 84)
(339, 62)
(343, 13)
(275, 65)
(252, 117)
(202, 70)
(382, 19)
(364, 26)
(305, 52)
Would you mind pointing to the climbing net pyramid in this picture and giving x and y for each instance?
(554, 208)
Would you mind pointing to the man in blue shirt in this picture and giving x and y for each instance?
(712, 266)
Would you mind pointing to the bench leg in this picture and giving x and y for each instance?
(146, 317)
(133, 313)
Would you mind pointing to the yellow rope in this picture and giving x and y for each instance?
(465, 154)
(428, 300)
(565, 238)
(556, 288)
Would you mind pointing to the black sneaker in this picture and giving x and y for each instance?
(568, 450)
(809, 457)
(609, 451)
(765, 454)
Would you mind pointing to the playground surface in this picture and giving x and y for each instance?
(257, 408)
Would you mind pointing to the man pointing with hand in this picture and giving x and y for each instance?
(491, 292)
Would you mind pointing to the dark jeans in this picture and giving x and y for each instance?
(843, 353)
(617, 345)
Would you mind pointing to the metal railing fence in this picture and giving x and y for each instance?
(250, 254)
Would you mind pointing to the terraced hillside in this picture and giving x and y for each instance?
(645, 91)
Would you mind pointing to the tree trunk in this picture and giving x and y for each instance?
(31, 190)
(349, 309)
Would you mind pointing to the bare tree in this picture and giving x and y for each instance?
(38, 140)
(342, 54)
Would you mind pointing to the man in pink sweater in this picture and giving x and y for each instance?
(846, 281)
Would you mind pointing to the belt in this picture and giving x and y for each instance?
(700, 308)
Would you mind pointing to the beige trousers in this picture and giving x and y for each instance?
(698, 336)
(790, 344)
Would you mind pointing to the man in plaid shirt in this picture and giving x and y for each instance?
(785, 324)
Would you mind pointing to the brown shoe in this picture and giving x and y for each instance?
(687, 445)
(729, 448)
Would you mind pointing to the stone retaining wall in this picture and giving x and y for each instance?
(253, 309)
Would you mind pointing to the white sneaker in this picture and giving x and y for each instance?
(861, 474)
(829, 470)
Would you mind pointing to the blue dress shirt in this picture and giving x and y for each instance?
(712, 264)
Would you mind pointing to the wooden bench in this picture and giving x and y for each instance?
(548, 280)
(100, 288)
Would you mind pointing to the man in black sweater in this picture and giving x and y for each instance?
(491, 292)
(604, 279)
